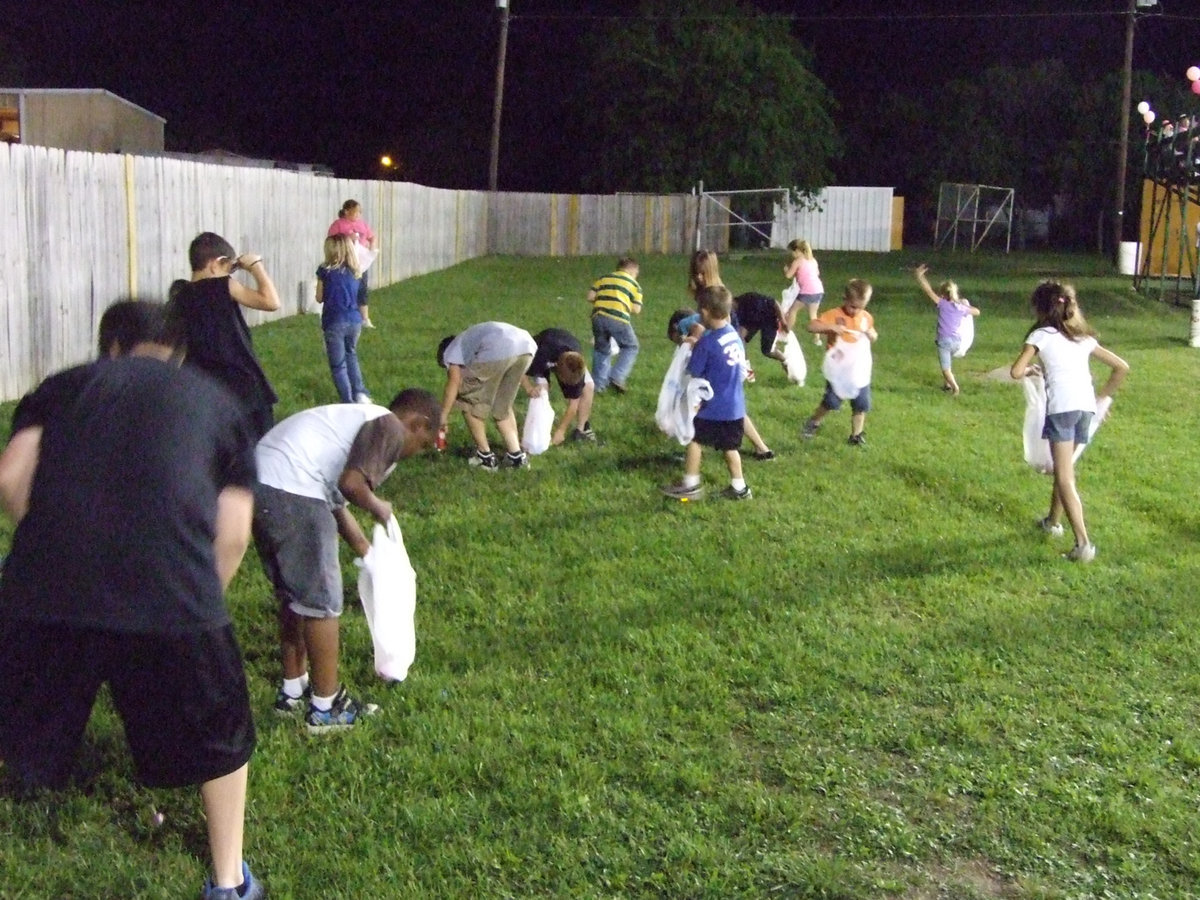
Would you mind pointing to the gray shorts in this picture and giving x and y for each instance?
(297, 541)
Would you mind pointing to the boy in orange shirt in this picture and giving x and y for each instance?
(848, 323)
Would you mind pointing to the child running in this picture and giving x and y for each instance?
(341, 317)
(719, 357)
(849, 323)
(1064, 343)
(951, 310)
(803, 269)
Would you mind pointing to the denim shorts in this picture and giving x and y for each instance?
(946, 348)
(861, 403)
(1065, 427)
(297, 541)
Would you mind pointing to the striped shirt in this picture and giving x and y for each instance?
(616, 295)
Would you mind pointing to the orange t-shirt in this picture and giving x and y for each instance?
(860, 321)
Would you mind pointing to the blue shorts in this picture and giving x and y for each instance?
(1067, 427)
(859, 404)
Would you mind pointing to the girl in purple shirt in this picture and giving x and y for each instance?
(951, 310)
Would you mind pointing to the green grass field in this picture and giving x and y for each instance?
(876, 679)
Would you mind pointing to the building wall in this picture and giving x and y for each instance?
(93, 120)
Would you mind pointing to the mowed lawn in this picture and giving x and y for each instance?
(875, 679)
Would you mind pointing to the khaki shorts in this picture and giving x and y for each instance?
(489, 389)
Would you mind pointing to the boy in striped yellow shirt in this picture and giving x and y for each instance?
(615, 298)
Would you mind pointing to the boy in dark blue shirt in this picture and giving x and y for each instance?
(719, 357)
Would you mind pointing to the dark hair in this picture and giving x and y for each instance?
(441, 350)
(626, 262)
(209, 246)
(420, 402)
(1056, 306)
(570, 367)
(128, 323)
(673, 323)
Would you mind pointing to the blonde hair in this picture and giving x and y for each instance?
(949, 290)
(703, 271)
(858, 289)
(800, 248)
(1056, 306)
(340, 254)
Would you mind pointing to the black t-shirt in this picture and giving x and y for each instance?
(551, 344)
(218, 341)
(119, 533)
(755, 312)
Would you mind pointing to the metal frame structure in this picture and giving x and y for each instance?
(725, 201)
(959, 214)
(1171, 163)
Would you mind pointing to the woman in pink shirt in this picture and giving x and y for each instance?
(804, 269)
(350, 222)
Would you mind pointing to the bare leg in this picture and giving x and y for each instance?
(691, 460)
(321, 638)
(508, 432)
(478, 429)
(1056, 506)
(225, 812)
(1063, 454)
(291, 643)
(585, 404)
(733, 459)
(857, 421)
(948, 377)
(753, 436)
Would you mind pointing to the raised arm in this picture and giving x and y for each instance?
(263, 296)
(923, 281)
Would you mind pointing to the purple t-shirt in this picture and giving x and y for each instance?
(950, 316)
(720, 357)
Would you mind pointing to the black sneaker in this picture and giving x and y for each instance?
(732, 493)
(583, 434)
(285, 704)
(516, 460)
(810, 429)
(485, 461)
(858, 440)
(764, 455)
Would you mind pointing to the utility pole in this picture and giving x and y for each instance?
(1123, 139)
(494, 161)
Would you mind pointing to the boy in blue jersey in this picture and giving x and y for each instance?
(719, 357)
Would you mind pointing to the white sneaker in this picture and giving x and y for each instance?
(1054, 530)
(363, 398)
(1083, 553)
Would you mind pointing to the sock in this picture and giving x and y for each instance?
(738, 484)
(691, 480)
(323, 704)
(294, 687)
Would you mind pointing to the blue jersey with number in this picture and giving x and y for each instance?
(720, 358)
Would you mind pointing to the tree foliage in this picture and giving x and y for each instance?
(708, 92)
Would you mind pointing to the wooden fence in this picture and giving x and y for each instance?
(80, 230)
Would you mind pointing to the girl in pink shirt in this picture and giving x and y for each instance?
(803, 268)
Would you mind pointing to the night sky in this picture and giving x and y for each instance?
(341, 84)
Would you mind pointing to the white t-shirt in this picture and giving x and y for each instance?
(306, 453)
(489, 342)
(1066, 370)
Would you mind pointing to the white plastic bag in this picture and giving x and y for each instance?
(680, 397)
(793, 357)
(365, 255)
(1037, 448)
(539, 421)
(847, 366)
(789, 296)
(966, 335)
(387, 587)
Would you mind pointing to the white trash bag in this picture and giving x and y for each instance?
(387, 587)
(793, 357)
(789, 296)
(847, 366)
(539, 421)
(966, 335)
(680, 397)
(1037, 448)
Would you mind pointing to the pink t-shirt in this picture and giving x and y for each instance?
(808, 277)
(357, 228)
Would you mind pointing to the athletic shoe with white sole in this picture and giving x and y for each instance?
(1083, 553)
(343, 714)
(1054, 529)
(681, 491)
